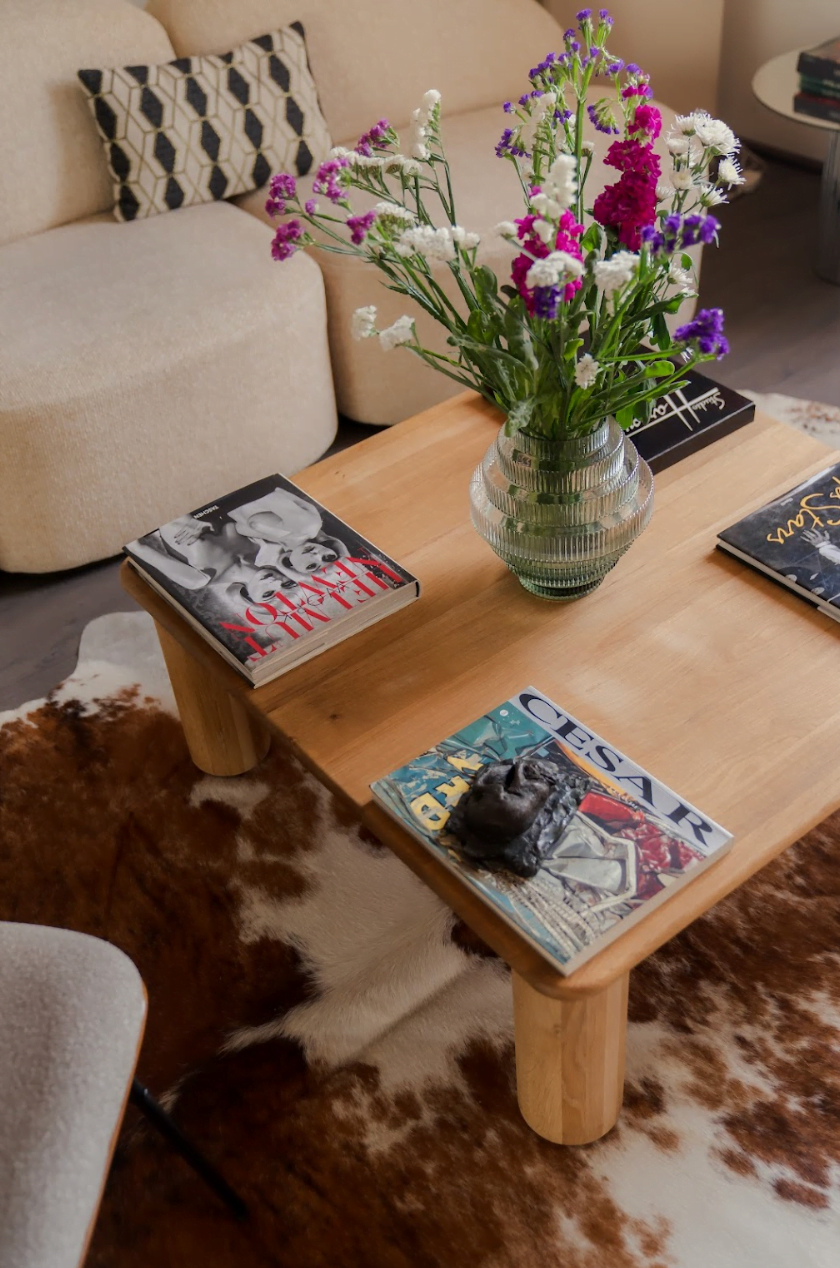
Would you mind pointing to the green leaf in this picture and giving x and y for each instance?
(519, 415)
(658, 369)
(626, 417)
(475, 325)
(510, 291)
(486, 285)
(591, 240)
(687, 262)
(661, 337)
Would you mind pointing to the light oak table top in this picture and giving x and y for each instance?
(719, 681)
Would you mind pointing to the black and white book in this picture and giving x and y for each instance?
(688, 419)
(270, 577)
(795, 539)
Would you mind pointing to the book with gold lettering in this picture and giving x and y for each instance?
(795, 539)
(270, 577)
(569, 841)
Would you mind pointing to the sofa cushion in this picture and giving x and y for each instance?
(199, 129)
(372, 59)
(146, 368)
(384, 387)
(51, 169)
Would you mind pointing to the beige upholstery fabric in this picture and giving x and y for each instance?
(373, 386)
(146, 368)
(52, 170)
(374, 59)
(73, 1009)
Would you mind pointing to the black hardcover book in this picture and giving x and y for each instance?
(796, 540)
(822, 62)
(818, 107)
(689, 419)
(270, 577)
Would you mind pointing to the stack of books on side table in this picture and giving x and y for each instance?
(819, 81)
(269, 577)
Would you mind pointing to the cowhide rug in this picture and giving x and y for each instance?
(342, 1047)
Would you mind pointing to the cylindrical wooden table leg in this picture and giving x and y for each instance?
(570, 1061)
(223, 737)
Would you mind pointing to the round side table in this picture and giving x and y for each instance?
(774, 84)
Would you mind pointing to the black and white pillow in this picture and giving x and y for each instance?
(204, 128)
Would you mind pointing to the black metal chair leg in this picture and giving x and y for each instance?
(142, 1099)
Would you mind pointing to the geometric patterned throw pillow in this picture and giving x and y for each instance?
(204, 128)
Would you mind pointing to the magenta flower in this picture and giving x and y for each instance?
(326, 180)
(568, 232)
(359, 226)
(647, 120)
(629, 205)
(281, 187)
(286, 240)
(310, 206)
(377, 136)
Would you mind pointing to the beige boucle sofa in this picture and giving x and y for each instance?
(144, 367)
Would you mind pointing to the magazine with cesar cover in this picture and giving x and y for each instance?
(270, 577)
(629, 844)
(795, 539)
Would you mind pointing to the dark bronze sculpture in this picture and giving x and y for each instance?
(514, 813)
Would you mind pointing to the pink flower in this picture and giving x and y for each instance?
(648, 121)
(359, 226)
(568, 232)
(286, 240)
(630, 205)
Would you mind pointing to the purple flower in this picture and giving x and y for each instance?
(359, 226)
(524, 99)
(574, 46)
(633, 69)
(679, 232)
(326, 179)
(280, 187)
(583, 15)
(508, 107)
(310, 206)
(602, 117)
(377, 136)
(547, 302)
(504, 143)
(706, 330)
(606, 16)
(616, 67)
(286, 240)
(570, 34)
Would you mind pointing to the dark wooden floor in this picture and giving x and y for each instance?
(783, 324)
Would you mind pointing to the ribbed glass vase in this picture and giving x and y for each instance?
(560, 513)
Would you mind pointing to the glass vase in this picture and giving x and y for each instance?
(560, 513)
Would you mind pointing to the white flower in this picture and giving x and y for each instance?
(545, 231)
(678, 145)
(410, 167)
(684, 123)
(714, 134)
(548, 272)
(363, 323)
(393, 215)
(543, 205)
(711, 197)
(681, 280)
(402, 331)
(681, 178)
(464, 239)
(366, 160)
(586, 371)
(506, 229)
(616, 272)
(431, 98)
(729, 173)
(664, 191)
(338, 151)
(419, 152)
(434, 244)
(587, 148)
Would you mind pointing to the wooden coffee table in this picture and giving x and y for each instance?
(720, 682)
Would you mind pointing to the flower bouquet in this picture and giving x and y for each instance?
(574, 346)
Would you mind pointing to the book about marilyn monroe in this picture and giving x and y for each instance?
(270, 577)
(621, 844)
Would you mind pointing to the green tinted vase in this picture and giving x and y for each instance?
(561, 513)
